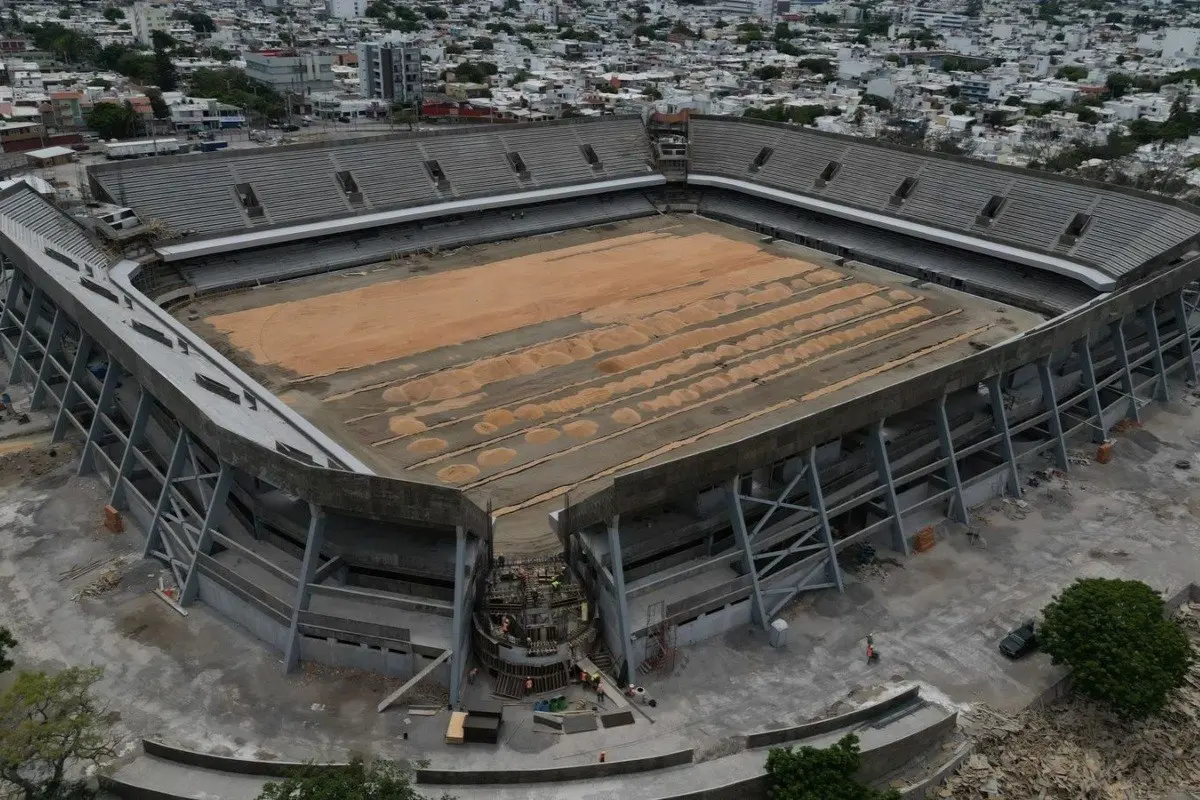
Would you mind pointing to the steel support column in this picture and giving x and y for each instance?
(103, 403)
(461, 614)
(738, 518)
(308, 568)
(817, 498)
(1000, 422)
(57, 327)
(32, 312)
(958, 506)
(1121, 350)
(212, 518)
(1187, 355)
(1088, 371)
(138, 427)
(153, 535)
(884, 467)
(1050, 405)
(83, 351)
(1150, 322)
(622, 602)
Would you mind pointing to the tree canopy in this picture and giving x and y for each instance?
(7, 645)
(113, 120)
(1121, 650)
(361, 780)
(811, 773)
(48, 725)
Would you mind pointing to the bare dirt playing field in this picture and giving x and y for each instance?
(527, 370)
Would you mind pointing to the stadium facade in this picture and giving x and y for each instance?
(282, 528)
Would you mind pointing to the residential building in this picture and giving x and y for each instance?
(145, 18)
(10, 46)
(18, 137)
(67, 110)
(291, 72)
(346, 9)
(390, 70)
(188, 113)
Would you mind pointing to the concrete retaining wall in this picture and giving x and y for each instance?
(237, 766)
(794, 733)
(578, 772)
(238, 610)
(129, 791)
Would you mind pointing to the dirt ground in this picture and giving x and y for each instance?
(530, 370)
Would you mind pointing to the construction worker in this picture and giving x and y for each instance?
(554, 585)
(599, 693)
(472, 675)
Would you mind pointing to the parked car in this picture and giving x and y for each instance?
(1020, 641)
(81, 147)
(289, 127)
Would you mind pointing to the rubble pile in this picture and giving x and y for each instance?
(1075, 749)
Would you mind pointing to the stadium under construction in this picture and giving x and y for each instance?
(509, 396)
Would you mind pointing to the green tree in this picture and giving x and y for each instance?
(958, 109)
(112, 14)
(404, 115)
(1121, 650)
(1072, 73)
(157, 104)
(818, 65)
(161, 40)
(375, 780)
(811, 773)
(482, 43)
(1118, 83)
(7, 645)
(434, 12)
(877, 102)
(164, 71)
(201, 22)
(768, 73)
(50, 725)
(1114, 18)
(113, 120)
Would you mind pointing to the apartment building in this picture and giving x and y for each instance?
(390, 70)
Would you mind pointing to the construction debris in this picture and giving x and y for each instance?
(1075, 749)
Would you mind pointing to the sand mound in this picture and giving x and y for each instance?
(485, 428)
(529, 412)
(500, 418)
(496, 457)
(541, 435)
(427, 445)
(405, 425)
(457, 473)
(581, 429)
(626, 416)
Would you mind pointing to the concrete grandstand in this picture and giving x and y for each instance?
(806, 344)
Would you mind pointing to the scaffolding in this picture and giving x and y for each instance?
(660, 642)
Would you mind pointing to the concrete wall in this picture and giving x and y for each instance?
(577, 772)
(778, 736)
(236, 609)
(238, 766)
(358, 656)
(713, 623)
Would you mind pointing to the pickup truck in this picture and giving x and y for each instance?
(1020, 641)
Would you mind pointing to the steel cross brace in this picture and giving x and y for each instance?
(1050, 405)
(1000, 423)
(1187, 353)
(83, 351)
(136, 430)
(57, 327)
(103, 403)
(1150, 321)
(308, 567)
(733, 497)
(958, 506)
(32, 312)
(891, 503)
(153, 534)
(1088, 370)
(1121, 350)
